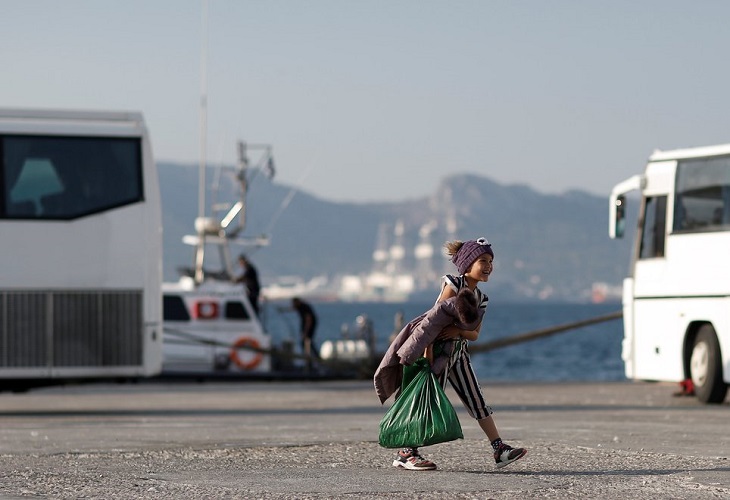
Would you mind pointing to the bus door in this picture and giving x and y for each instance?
(652, 309)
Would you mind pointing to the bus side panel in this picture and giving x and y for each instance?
(153, 329)
(696, 264)
(658, 350)
(702, 283)
(627, 345)
(653, 323)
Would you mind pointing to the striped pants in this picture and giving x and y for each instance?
(464, 381)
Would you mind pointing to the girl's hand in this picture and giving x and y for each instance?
(450, 332)
(453, 332)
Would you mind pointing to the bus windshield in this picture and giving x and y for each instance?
(52, 177)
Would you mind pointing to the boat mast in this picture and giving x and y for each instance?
(218, 232)
(200, 247)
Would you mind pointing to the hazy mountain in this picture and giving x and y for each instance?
(554, 245)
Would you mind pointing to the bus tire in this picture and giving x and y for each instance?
(705, 367)
(253, 362)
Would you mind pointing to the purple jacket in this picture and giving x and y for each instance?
(419, 333)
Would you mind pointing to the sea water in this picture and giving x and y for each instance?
(589, 353)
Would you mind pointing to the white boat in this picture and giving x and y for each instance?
(208, 327)
(209, 324)
(288, 287)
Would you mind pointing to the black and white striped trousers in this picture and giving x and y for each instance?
(464, 381)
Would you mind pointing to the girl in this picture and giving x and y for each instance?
(473, 260)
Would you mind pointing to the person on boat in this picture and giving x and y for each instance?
(250, 280)
(308, 327)
(365, 331)
(449, 352)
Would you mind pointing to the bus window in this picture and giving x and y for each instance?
(653, 229)
(68, 177)
(702, 194)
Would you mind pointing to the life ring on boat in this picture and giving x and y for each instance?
(253, 362)
(206, 309)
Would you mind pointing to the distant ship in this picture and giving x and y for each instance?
(288, 287)
(391, 279)
(603, 292)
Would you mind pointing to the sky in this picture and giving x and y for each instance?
(380, 100)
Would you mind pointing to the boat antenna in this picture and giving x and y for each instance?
(200, 247)
(287, 200)
(245, 174)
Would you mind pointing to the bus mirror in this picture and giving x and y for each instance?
(620, 216)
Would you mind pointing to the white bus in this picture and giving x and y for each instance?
(676, 301)
(80, 248)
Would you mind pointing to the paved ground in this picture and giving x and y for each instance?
(319, 440)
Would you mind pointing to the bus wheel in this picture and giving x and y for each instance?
(706, 367)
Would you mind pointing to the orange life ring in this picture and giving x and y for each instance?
(246, 342)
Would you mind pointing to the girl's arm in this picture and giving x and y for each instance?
(452, 332)
(446, 293)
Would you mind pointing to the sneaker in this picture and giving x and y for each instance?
(412, 460)
(505, 455)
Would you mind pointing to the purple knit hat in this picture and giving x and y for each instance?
(469, 252)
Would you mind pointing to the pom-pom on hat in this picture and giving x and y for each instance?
(469, 252)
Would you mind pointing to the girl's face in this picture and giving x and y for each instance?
(481, 268)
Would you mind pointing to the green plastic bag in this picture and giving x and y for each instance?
(422, 414)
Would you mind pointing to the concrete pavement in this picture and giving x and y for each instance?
(319, 440)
